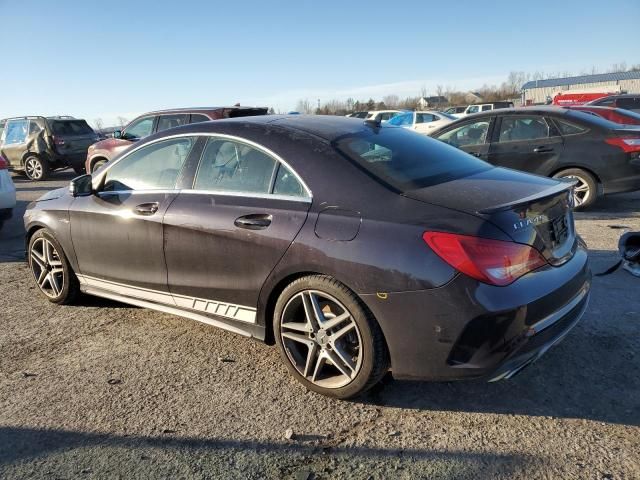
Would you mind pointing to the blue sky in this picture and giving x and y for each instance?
(108, 59)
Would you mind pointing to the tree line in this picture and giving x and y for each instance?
(507, 90)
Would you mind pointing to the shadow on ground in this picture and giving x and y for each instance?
(55, 450)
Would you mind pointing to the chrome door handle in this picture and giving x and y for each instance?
(146, 208)
(542, 150)
(254, 221)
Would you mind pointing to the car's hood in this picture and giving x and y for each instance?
(111, 144)
(53, 194)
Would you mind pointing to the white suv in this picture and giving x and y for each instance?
(483, 107)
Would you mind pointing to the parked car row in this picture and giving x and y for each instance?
(601, 156)
(39, 145)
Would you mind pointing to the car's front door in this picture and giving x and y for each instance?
(529, 143)
(117, 232)
(471, 136)
(223, 237)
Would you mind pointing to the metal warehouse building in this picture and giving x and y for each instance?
(537, 91)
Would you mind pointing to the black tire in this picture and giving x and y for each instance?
(36, 169)
(69, 287)
(371, 365)
(583, 199)
(97, 164)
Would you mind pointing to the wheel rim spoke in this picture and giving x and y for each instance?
(337, 362)
(298, 327)
(334, 322)
(346, 329)
(344, 358)
(297, 338)
(311, 356)
(319, 365)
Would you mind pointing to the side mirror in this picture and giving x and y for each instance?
(81, 186)
(117, 134)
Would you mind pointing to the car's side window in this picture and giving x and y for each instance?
(166, 122)
(473, 109)
(232, 166)
(16, 131)
(522, 128)
(425, 118)
(153, 167)
(486, 108)
(198, 117)
(140, 129)
(474, 133)
(287, 184)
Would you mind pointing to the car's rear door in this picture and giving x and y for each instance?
(71, 139)
(530, 143)
(223, 237)
(117, 232)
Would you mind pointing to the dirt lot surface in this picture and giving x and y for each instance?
(101, 390)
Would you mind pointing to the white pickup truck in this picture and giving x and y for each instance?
(476, 108)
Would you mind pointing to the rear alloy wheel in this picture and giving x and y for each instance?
(36, 169)
(585, 191)
(51, 269)
(328, 340)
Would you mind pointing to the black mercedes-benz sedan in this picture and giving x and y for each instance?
(355, 248)
(601, 156)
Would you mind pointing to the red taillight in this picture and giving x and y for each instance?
(58, 141)
(628, 144)
(490, 261)
(4, 165)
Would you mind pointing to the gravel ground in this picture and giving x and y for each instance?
(101, 390)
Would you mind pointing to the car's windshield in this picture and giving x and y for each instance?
(405, 160)
(402, 119)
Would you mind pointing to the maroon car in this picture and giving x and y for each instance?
(616, 115)
(101, 152)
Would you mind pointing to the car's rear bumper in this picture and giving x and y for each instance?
(468, 329)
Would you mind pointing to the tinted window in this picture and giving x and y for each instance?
(287, 183)
(628, 103)
(425, 118)
(407, 161)
(198, 117)
(153, 167)
(34, 127)
(166, 122)
(568, 128)
(139, 129)
(70, 127)
(15, 131)
(522, 128)
(486, 107)
(235, 167)
(468, 134)
(402, 119)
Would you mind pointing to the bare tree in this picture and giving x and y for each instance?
(122, 121)
(98, 123)
(305, 106)
(391, 101)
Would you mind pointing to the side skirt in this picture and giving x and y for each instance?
(241, 328)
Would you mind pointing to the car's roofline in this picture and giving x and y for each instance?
(199, 110)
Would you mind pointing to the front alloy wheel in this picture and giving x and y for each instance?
(51, 269)
(328, 339)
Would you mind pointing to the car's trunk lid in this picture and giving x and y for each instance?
(530, 209)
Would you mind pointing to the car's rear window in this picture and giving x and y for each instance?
(406, 160)
(70, 127)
